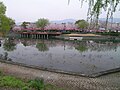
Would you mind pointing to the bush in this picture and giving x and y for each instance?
(1, 73)
(38, 84)
(110, 33)
(11, 81)
(25, 88)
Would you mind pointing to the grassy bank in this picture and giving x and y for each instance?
(13, 83)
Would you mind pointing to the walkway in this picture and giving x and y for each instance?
(69, 82)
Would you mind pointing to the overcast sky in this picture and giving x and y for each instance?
(31, 10)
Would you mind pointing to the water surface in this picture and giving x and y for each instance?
(84, 57)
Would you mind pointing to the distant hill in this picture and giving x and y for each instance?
(64, 21)
(115, 20)
(56, 21)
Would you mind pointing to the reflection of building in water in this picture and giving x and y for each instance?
(102, 47)
(89, 45)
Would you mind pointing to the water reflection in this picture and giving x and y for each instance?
(9, 45)
(107, 46)
(5, 57)
(44, 45)
(41, 46)
(82, 47)
(84, 57)
(25, 43)
(0, 43)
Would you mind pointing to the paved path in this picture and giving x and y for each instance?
(69, 82)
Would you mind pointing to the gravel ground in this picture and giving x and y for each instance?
(68, 82)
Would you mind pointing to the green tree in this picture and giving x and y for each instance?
(2, 8)
(5, 22)
(25, 24)
(96, 7)
(41, 23)
(82, 24)
(11, 22)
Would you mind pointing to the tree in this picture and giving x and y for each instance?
(2, 8)
(97, 6)
(82, 24)
(5, 22)
(41, 23)
(25, 24)
(11, 22)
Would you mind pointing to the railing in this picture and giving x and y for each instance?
(50, 33)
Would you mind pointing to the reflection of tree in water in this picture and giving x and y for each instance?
(42, 47)
(9, 45)
(52, 43)
(25, 43)
(82, 47)
(5, 56)
(107, 46)
(102, 47)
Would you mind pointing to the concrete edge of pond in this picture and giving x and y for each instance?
(105, 72)
(94, 75)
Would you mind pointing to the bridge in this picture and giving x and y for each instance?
(38, 35)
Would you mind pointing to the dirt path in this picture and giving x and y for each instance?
(69, 82)
(81, 35)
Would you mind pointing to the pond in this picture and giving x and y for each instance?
(86, 58)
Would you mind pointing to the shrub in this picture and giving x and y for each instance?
(11, 81)
(38, 84)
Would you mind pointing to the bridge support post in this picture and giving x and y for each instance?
(32, 36)
(44, 36)
(47, 36)
(41, 36)
(20, 35)
(36, 36)
(26, 35)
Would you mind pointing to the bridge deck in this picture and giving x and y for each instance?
(42, 33)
